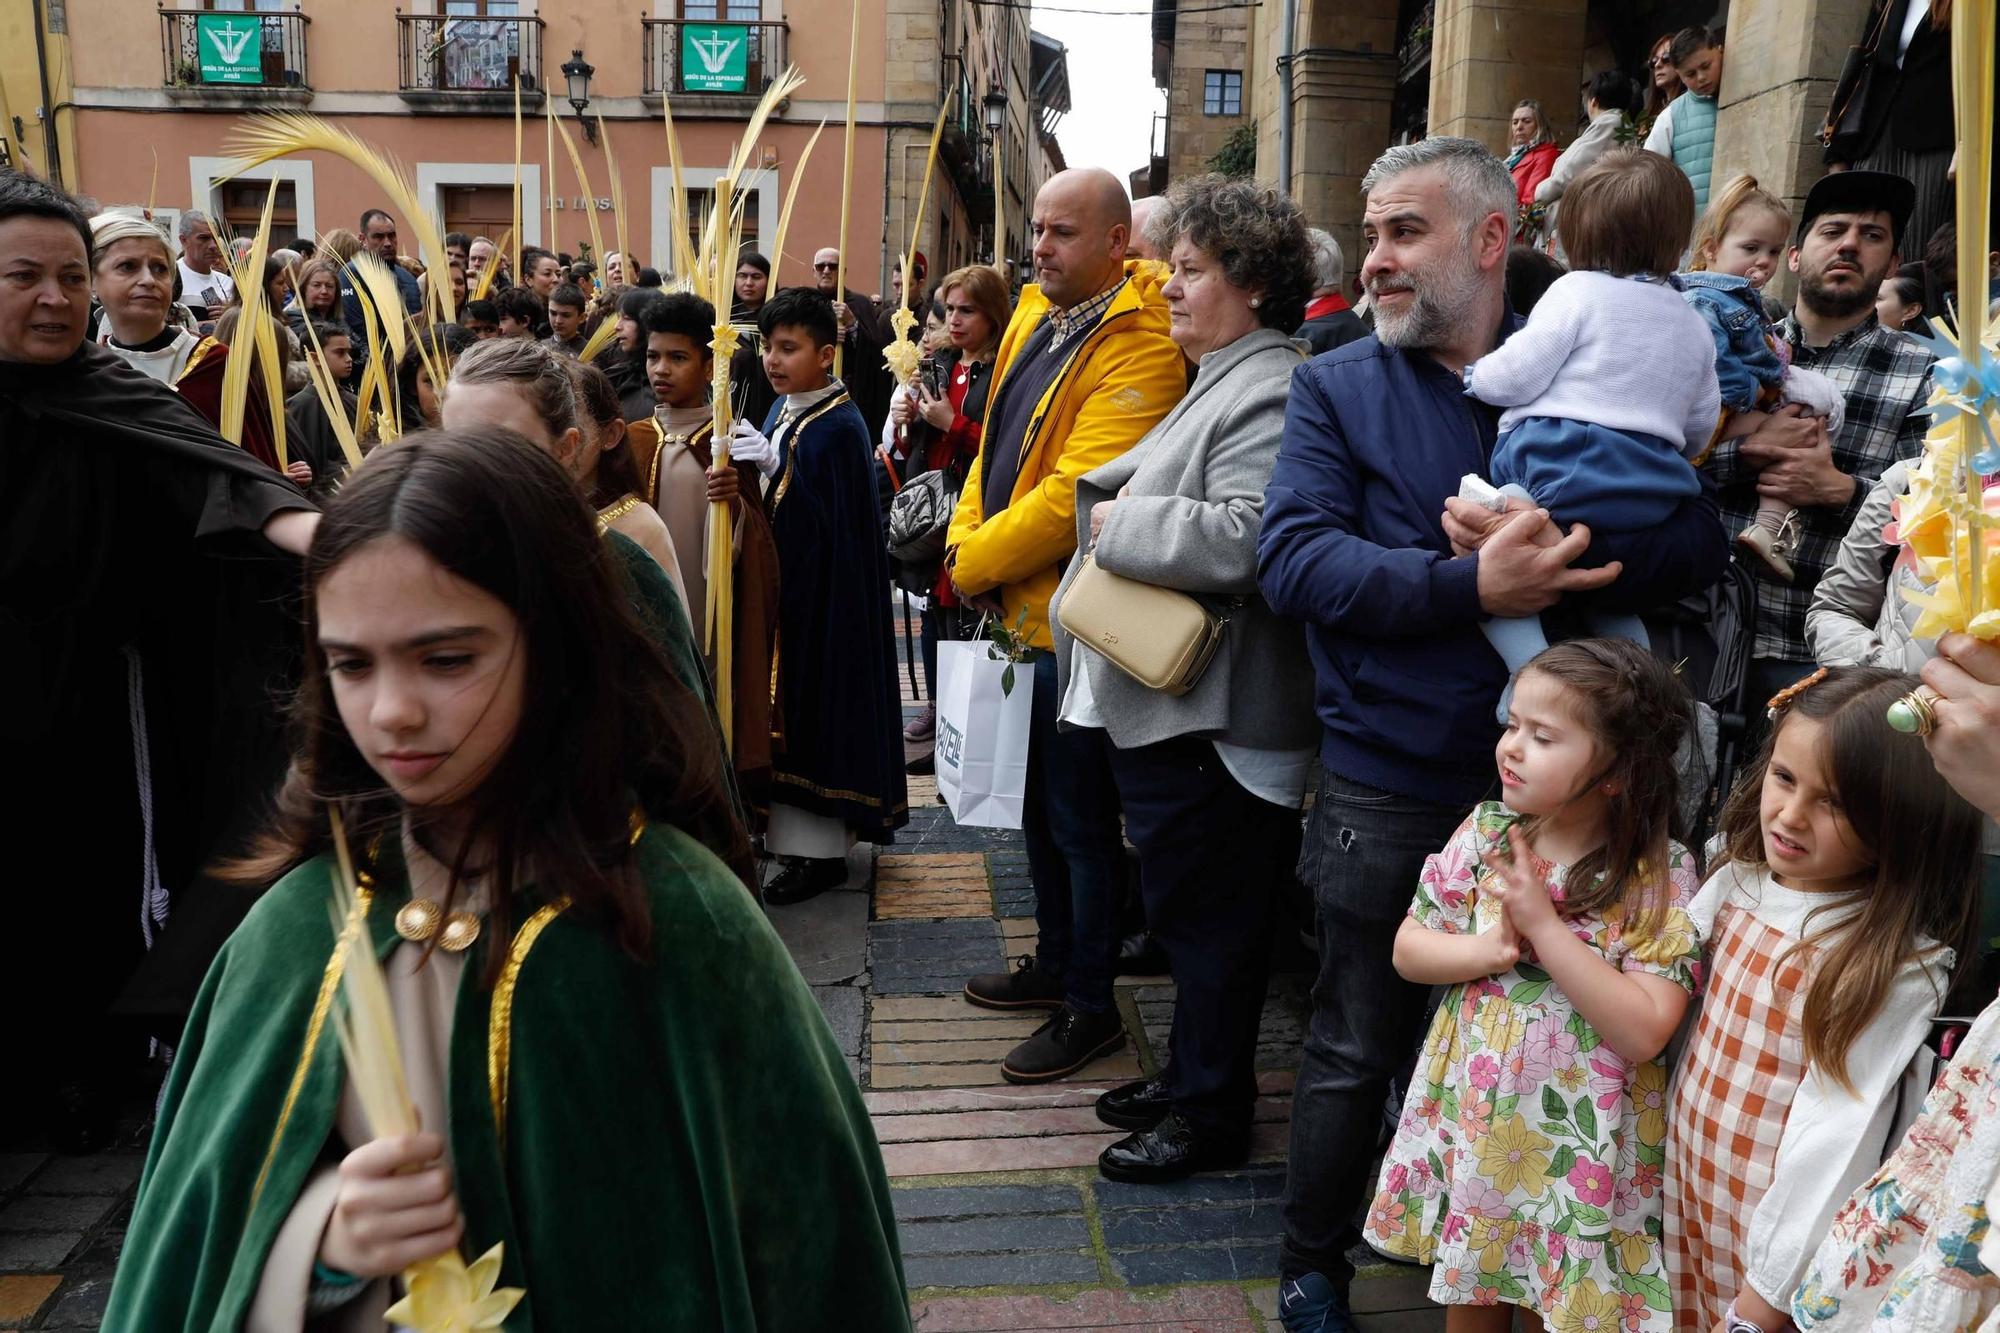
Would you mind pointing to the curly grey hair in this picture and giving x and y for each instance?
(1256, 233)
(1476, 183)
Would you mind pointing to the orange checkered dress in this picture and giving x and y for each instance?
(1732, 1091)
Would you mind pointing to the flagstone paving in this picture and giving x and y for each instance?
(1005, 1222)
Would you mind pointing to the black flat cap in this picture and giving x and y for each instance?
(1862, 192)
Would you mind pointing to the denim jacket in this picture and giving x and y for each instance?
(1746, 356)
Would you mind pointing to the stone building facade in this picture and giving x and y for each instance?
(1207, 68)
(1369, 73)
(121, 104)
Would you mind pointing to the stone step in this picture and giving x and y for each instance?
(1220, 1309)
(1118, 1068)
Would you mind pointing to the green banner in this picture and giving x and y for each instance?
(230, 47)
(715, 57)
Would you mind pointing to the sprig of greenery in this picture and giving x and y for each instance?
(1010, 645)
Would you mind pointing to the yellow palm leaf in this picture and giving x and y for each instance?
(328, 393)
(268, 136)
(236, 371)
(617, 206)
(681, 252)
(791, 197)
(583, 183)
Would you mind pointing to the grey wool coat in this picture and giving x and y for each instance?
(1189, 521)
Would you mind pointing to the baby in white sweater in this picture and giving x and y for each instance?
(1609, 391)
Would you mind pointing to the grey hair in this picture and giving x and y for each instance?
(1544, 132)
(522, 361)
(1255, 232)
(190, 220)
(1476, 183)
(1329, 265)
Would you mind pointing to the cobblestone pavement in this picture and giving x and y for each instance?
(1005, 1222)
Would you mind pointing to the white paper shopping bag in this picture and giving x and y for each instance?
(982, 735)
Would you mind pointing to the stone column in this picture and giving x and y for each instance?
(1781, 61)
(1343, 86)
(1488, 55)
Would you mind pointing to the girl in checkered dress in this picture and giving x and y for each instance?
(1849, 892)
(1526, 1168)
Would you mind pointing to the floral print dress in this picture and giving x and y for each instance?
(1913, 1251)
(1526, 1167)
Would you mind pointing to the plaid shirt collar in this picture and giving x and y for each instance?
(1885, 378)
(1796, 336)
(1065, 324)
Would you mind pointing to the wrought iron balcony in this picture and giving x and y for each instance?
(695, 57)
(459, 58)
(213, 51)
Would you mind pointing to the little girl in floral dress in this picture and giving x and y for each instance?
(1849, 891)
(1527, 1166)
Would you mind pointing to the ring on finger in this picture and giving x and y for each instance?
(1916, 713)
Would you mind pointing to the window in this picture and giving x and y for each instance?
(241, 204)
(729, 11)
(701, 199)
(1222, 93)
(480, 210)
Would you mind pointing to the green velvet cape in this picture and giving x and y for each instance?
(684, 1148)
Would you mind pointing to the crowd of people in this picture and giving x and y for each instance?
(1595, 1034)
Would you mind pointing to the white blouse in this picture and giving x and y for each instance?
(1833, 1139)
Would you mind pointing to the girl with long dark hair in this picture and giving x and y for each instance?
(602, 1035)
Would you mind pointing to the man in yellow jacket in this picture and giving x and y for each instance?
(1085, 369)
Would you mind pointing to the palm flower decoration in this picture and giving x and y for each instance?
(444, 1295)
(902, 355)
(1948, 521)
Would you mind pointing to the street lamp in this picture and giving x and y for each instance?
(996, 111)
(994, 105)
(576, 71)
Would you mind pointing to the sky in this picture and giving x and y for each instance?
(1110, 79)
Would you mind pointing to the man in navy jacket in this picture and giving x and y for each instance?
(1358, 543)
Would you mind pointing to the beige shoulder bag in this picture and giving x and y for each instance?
(1161, 638)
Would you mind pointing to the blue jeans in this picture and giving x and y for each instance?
(1075, 851)
(1364, 850)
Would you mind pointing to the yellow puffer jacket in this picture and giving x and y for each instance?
(1117, 384)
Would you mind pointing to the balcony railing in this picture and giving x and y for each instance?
(695, 57)
(225, 51)
(437, 54)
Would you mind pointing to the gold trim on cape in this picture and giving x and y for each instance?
(500, 1021)
(500, 1018)
(329, 981)
(792, 448)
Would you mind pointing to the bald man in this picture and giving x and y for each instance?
(1085, 369)
(862, 369)
(1136, 244)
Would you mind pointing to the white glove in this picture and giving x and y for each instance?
(748, 445)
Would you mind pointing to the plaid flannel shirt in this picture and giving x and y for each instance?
(1886, 378)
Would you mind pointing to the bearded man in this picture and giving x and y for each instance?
(1357, 543)
(1849, 241)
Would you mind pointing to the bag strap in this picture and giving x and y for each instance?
(1859, 58)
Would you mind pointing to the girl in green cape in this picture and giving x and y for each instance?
(624, 1082)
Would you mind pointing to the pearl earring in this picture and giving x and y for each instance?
(1256, 301)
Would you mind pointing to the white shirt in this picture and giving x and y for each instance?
(1833, 1139)
(1620, 353)
(1919, 11)
(164, 364)
(1277, 776)
(211, 290)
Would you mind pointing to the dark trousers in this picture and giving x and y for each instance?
(1363, 852)
(1075, 852)
(1211, 856)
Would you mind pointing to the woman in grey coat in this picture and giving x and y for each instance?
(1211, 780)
